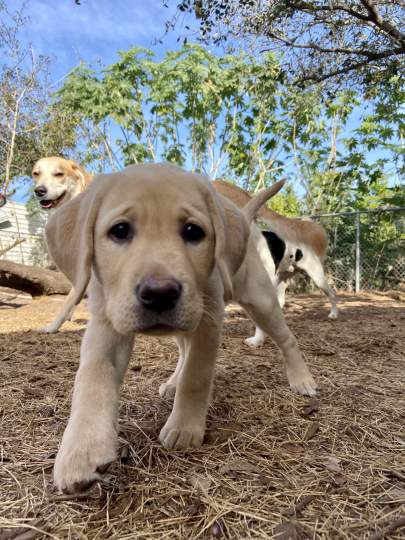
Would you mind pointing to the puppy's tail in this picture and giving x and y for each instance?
(261, 197)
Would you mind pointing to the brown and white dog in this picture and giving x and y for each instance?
(290, 246)
(57, 180)
(160, 253)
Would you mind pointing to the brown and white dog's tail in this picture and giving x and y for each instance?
(257, 201)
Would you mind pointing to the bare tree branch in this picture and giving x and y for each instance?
(334, 38)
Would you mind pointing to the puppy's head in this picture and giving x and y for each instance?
(57, 180)
(158, 241)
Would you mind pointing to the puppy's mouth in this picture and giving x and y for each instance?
(159, 330)
(47, 204)
(165, 326)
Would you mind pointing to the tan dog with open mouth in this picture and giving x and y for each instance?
(160, 252)
(57, 181)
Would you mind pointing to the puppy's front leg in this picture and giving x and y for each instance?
(65, 314)
(90, 439)
(185, 426)
(167, 389)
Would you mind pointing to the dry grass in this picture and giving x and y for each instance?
(274, 465)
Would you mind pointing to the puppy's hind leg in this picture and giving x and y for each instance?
(167, 389)
(260, 337)
(266, 313)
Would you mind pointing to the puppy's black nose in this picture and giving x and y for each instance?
(40, 191)
(158, 294)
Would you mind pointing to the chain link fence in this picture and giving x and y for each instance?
(366, 249)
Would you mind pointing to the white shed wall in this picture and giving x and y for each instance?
(15, 223)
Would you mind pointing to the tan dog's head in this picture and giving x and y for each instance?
(57, 180)
(159, 242)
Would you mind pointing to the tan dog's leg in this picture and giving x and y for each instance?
(185, 426)
(65, 314)
(258, 297)
(167, 389)
(90, 439)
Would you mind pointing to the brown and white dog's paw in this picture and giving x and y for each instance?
(254, 342)
(301, 381)
(81, 462)
(167, 390)
(333, 315)
(180, 435)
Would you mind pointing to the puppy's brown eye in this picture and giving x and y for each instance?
(121, 232)
(58, 174)
(35, 173)
(192, 233)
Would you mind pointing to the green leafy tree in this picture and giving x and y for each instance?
(234, 117)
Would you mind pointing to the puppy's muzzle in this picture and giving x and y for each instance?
(158, 295)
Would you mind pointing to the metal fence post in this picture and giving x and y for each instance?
(357, 274)
(349, 263)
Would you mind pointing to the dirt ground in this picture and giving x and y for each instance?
(274, 464)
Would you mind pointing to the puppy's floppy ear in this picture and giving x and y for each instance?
(69, 237)
(231, 233)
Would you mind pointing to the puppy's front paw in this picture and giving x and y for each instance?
(333, 315)
(81, 461)
(182, 434)
(167, 390)
(301, 381)
(253, 342)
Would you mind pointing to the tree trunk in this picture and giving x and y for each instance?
(33, 280)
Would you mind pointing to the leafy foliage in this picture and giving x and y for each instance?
(235, 117)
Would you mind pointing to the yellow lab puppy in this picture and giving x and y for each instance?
(160, 252)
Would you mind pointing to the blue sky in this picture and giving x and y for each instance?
(95, 30)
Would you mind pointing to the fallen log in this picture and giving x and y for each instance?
(32, 279)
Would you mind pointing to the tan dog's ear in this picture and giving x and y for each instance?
(69, 237)
(80, 174)
(231, 233)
